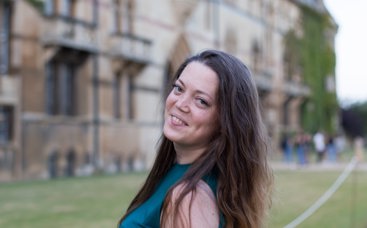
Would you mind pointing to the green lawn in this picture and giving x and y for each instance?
(295, 191)
(99, 201)
(77, 202)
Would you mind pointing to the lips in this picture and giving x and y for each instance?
(178, 121)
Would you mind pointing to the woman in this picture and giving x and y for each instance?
(211, 168)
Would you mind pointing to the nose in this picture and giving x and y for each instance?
(182, 103)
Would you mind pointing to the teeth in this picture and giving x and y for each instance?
(177, 120)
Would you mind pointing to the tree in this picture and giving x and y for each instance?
(354, 120)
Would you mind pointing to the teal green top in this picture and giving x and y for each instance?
(148, 214)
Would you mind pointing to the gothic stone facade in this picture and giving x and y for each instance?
(82, 81)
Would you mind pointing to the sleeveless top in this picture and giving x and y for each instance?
(148, 214)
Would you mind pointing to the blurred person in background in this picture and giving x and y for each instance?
(340, 145)
(286, 147)
(319, 143)
(211, 168)
(301, 145)
(331, 149)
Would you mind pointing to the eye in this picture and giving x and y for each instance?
(177, 89)
(202, 102)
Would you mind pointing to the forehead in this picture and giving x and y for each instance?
(200, 76)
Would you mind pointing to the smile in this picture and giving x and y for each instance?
(176, 121)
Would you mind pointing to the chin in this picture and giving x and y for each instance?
(168, 135)
(172, 136)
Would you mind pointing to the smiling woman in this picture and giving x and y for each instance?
(191, 112)
(211, 168)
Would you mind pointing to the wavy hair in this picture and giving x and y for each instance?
(237, 153)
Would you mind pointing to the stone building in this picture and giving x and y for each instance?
(81, 81)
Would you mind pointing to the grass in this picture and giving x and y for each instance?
(295, 191)
(77, 202)
(99, 201)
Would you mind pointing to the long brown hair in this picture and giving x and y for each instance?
(237, 153)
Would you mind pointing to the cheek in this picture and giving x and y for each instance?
(213, 122)
(169, 101)
(210, 121)
(216, 124)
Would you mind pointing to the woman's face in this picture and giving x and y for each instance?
(191, 112)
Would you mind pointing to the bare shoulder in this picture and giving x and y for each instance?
(198, 208)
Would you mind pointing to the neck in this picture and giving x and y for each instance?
(187, 154)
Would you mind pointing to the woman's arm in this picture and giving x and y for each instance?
(203, 211)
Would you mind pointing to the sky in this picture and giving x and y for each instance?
(351, 49)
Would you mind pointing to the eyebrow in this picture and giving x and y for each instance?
(197, 91)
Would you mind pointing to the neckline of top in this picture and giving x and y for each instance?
(182, 165)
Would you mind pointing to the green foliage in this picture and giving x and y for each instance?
(316, 59)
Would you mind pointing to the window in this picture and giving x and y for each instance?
(67, 89)
(127, 13)
(95, 12)
(256, 56)
(122, 16)
(129, 94)
(48, 7)
(60, 88)
(291, 62)
(123, 89)
(117, 96)
(287, 65)
(51, 91)
(5, 14)
(69, 8)
(6, 123)
(116, 15)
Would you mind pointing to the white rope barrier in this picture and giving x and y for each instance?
(348, 169)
